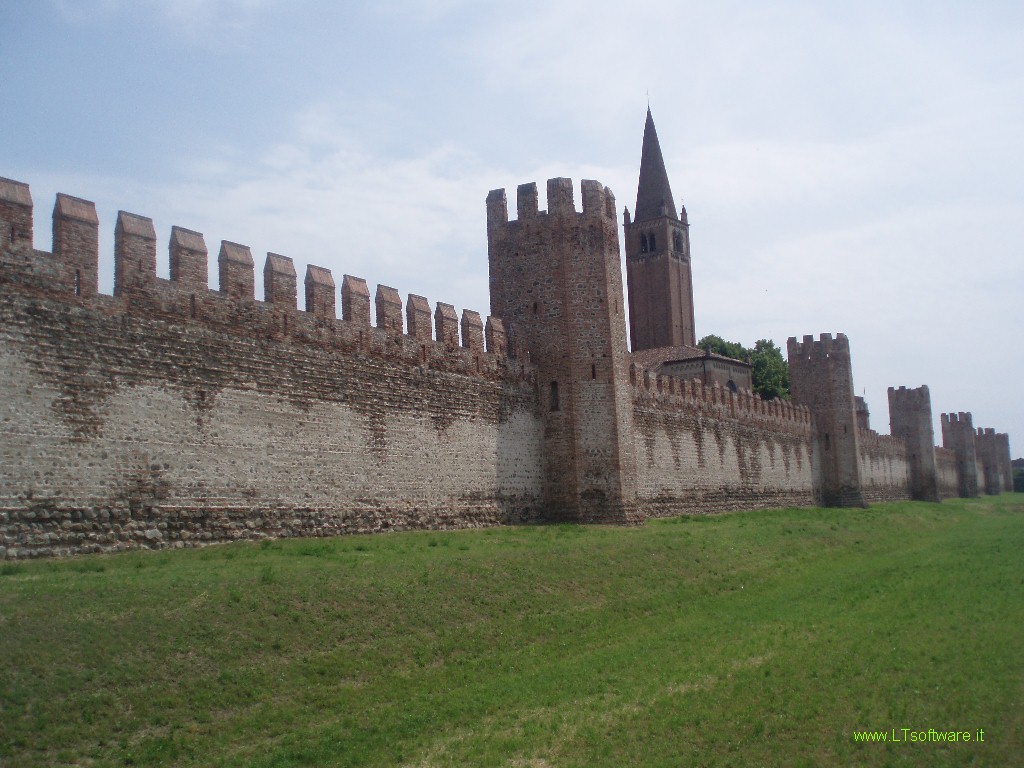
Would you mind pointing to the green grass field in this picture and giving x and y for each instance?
(758, 638)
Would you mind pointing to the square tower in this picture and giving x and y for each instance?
(556, 284)
(821, 377)
(910, 417)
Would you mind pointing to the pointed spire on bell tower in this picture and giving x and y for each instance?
(653, 194)
(658, 258)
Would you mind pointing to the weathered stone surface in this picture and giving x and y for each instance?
(700, 451)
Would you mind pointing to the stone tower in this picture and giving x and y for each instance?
(958, 436)
(556, 284)
(910, 417)
(658, 258)
(821, 377)
(993, 452)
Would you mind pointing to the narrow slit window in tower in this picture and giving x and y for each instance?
(78, 282)
(554, 396)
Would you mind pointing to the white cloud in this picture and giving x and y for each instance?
(416, 223)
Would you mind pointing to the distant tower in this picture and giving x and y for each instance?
(910, 417)
(658, 273)
(990, 449)
(958, 436)
(556, 283)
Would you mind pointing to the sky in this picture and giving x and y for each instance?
(846, 167)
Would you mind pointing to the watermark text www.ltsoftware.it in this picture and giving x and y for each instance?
(917, 736)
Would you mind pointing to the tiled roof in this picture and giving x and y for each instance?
(655, 358)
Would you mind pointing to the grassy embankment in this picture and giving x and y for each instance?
(761, 638)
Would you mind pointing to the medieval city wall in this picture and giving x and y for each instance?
(704, 449)
(884, 468)
(946, 472)
(171, 414)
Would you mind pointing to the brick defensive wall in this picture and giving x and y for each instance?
(171, 414)
(703, 449)
(946, 473)
(884, 467)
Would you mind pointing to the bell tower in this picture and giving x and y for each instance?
(658, 275)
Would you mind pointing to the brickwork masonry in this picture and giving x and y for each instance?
(884, 467)
(703, 449)
(946, 472)
(172, 415)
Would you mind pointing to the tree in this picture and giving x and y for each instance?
(720, 346)
(769, 370)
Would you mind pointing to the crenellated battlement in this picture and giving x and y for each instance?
(692, 395)
(870, 441)
(16, 213)
(911, 397)
(280, 281)
(957, 420)
(69, 273)
(598, 201)
(824, 347)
